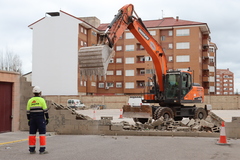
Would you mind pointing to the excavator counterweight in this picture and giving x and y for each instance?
(94, 60)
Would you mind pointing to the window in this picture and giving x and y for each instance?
(218, 92)
(149, 71)
(129, 85)
(100, 85)
(111, 60)
(184, 58)
(170, 33)
(218, 84)
(109, 84)
(211, 69)
(211, 79)
(218, 76)
(130, 60)
(93, 84)
(118, 72)
(153, 33)
(129, 72)
(162, 38)
(129, 47)
(170, 46)
(118, 60)
(94, 33)
(183, 32)
(118, 48)
(212, 89)
(118, 84)
(129, 35)
(183, 45)
(170, 58)
(225, 80)
(218, 88)
(109, 72)
(148, 58)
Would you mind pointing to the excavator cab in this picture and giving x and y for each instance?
(177, 85)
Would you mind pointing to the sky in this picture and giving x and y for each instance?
(222, 17)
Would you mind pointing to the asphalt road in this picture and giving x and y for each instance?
(100, 147)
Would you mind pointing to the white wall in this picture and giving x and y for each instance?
(55, 55)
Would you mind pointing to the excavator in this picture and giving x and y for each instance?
(173, 91)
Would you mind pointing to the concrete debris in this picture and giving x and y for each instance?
(211, 124)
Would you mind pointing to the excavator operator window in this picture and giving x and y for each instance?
(172, 86)
(186, 84)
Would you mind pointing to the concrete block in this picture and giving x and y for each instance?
(196, 127)
(116, 127)
(183, 128)
(215, 129)
(236, 119)
(185, 121)
(105, 122)
(170, 127)
(108, 118)
(104, 128)
(157, 122)
(191, 122)
(206, 124)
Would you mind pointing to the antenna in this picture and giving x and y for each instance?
(162, 14)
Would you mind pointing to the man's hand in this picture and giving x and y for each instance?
(47, 121)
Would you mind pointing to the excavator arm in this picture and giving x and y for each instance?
(122, 21)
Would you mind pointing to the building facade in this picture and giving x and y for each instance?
(60, 35)
(224, 82)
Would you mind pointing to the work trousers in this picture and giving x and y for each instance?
(37, 124)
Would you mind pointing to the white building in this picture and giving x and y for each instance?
(55, 53)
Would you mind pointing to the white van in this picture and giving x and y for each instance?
(75, 104)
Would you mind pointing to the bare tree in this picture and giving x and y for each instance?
(10, 62)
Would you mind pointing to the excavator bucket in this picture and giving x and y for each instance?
(94, 60)
(143, 111)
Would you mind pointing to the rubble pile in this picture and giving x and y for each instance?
(211, 124)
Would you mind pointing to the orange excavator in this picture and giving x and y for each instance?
(174, 92)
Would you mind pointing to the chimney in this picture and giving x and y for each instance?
(177, 18)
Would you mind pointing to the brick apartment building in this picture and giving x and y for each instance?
(224, 82)
(185, 43)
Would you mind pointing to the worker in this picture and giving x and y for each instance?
(37, 111)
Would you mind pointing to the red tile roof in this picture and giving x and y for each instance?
(165, 22)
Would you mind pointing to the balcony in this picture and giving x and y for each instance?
(140, 84)
(140, 71)
(140, 59)
(205, 66)
(205, 79)
(205, 54)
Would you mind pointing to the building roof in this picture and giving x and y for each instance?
(167, 22)
(224, 71)
(81, 21)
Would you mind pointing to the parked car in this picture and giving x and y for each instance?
(75, 104)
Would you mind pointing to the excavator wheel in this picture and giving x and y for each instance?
(200, 113)
(141, 120)
(166, 112)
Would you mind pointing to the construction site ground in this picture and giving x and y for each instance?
(14, 146)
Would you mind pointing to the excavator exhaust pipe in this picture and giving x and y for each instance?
(94, 60)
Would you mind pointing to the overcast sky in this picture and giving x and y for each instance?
(222, 17)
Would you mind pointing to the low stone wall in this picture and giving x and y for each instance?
(233, 128)
(116, 102)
